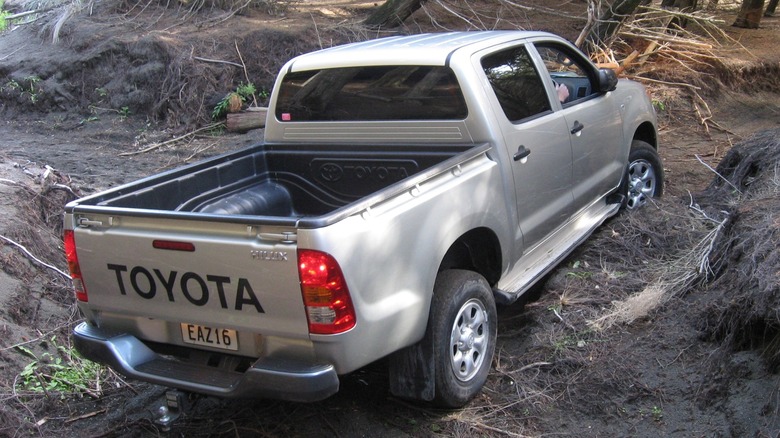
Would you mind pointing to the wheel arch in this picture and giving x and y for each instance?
(647, 133)
(477, 250)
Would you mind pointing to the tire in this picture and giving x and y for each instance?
(463, 322)
(644, 177)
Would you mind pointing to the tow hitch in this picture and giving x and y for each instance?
(176, 403)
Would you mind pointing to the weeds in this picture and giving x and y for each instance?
(580, 274)
(64, 373)
(657, 413)
(28, 86)
(123, 112)
(3, 15)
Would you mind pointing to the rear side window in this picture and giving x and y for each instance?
(516, 83)
(371, 94)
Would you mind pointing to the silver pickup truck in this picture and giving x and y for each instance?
(405, 186)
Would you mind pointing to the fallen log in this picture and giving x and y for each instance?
(252, 118)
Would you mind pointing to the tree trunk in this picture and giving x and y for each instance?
(770, 10)
(610, 20)
(686, 5)
(750, 14)
(242, 122)
(393, 13)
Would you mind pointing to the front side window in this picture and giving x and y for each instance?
(516, 83)
(568, 71)
(371, 94)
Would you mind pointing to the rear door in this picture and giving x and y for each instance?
(537, 139)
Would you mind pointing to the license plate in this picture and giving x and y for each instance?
(225, 339)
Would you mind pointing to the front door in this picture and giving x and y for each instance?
(594, 121)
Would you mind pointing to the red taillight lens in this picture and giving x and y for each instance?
(325, 294)
(73, 266)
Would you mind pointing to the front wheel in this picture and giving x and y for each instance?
(644, 177)
(463, 323)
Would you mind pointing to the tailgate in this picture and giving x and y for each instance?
(227, 275)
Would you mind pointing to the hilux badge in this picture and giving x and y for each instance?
(271, 256)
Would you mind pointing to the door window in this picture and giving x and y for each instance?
(516, 83)
(567, 70)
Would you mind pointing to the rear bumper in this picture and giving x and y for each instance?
(277, 379)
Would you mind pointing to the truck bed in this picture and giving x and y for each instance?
(282, 182)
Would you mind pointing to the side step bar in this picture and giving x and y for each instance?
(542, 259)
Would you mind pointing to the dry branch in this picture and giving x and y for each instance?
(33, 258)
(85, 416)
(719, 175)
(173, 140)
(216, 61)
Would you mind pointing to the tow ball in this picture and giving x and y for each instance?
(175, 404)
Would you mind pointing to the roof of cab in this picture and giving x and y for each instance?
(421, 49)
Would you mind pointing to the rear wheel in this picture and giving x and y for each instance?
(463, 322)
(644, 178)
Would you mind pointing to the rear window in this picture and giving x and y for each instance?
(371, 94)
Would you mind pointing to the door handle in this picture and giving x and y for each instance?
(521, 153)
(577, 127)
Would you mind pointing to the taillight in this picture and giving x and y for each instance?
(325, 294)
(73, 266)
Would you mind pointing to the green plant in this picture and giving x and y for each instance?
(659, 105)
(67, 372)
(581, 275)
(12, 85)
(28, 85)
(657, 413)
(124, 112)
(32, 81)
(102, 92)
(246, 91)
(3, 15)
(235, 99)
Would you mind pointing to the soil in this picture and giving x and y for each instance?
(574, 359)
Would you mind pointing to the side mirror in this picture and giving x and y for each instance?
(607, 80)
